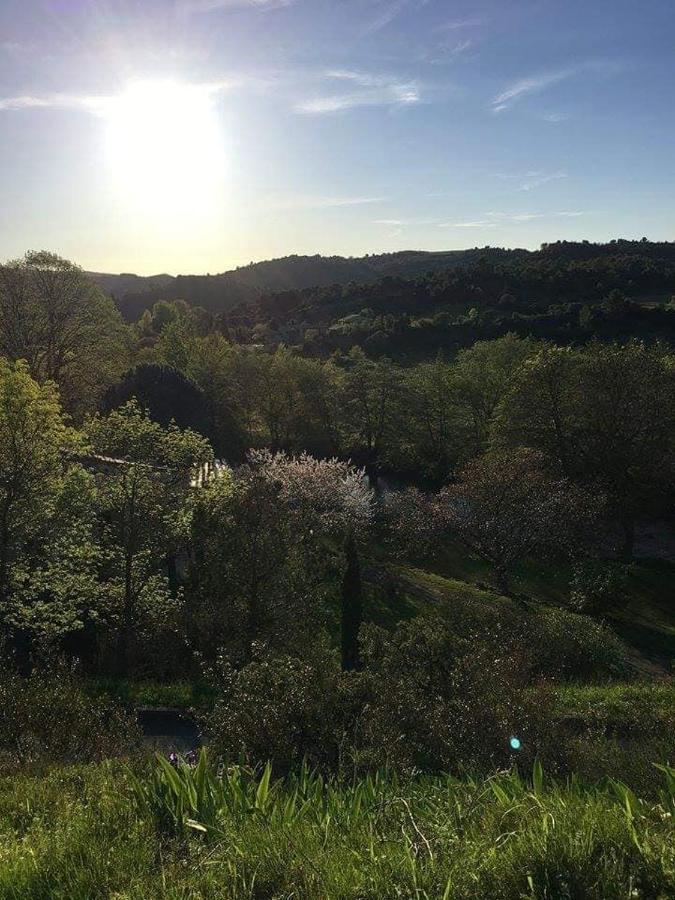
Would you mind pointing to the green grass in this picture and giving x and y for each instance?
(101, 832)
(617, 701)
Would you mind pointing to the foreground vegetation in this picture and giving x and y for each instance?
(98, 832)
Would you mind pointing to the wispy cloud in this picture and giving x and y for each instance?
(448, 52)
(13, 48)
(54, 101)
(493, 219)
(515, 217)
(481, 223)
(530, 85)
(556, 117)
(536, 83)
(94, 104)
(323, 202)
(367, 90)
(404, 223)
(528, 181)
(204, 6)
(456, 24)
(388, 11)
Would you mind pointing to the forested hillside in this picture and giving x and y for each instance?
(218, 293)
(411, 306)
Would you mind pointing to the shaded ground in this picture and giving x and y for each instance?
(168, 729)
(644, 617)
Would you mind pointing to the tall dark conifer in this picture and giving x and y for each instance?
(352, 606)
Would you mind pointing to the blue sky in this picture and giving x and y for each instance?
(195, 135)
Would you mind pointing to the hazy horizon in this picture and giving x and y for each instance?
(200, 135)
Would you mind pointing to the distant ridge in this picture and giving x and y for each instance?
(222, 292)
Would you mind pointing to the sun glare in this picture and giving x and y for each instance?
(165, 146)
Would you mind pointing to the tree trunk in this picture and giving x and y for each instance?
(503, 582)
(21, 642)
(124, 636)
(352, 607)
(628, 542)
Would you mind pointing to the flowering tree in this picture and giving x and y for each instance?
(264, 542)
(506, 507)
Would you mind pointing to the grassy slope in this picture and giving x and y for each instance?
(645, 620)
(77, 835)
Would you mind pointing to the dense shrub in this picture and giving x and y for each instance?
(597, 586)
(440, 702)
(48, 718)
(566, 646)
(425, 699)
(278, 708)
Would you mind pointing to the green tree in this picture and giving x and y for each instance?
(429, 437)
(352, 606)
(145, 473)
(63, 325)
(625, 441)
(264, 546)
(539, 408)
(481, 377)
(47, 557)
(370, 397)
(603, 415)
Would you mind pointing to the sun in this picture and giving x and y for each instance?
(164, 146)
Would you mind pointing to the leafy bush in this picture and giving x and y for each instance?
(278, 708)
(436, 701)
(48, 718)
(597, 586)
(430, 697)
(565, 646)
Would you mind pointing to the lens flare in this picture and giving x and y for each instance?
(515, 743)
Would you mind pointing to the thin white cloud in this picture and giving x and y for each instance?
(388, 11)
(530, 85)
(536, 83)
(515, 217)
(493, 219)
(482, 223)
(13, 48)
(323, 202)
(53, 101)
(532, 179)
(556, 117)
(403, 223)
(539, 180)
(96, 105)
(460, 47)
(448, 52)
(205, 6)
(456, 24)
(368, 90)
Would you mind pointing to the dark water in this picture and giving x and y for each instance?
(169, 729)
